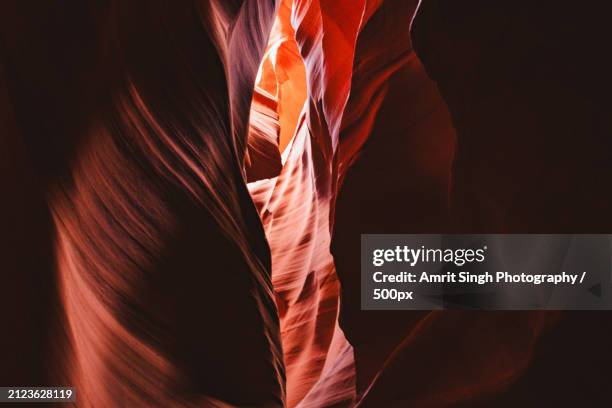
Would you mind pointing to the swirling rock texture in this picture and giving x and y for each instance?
(186, 185)
(161, 264)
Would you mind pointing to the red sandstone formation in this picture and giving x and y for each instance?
(192, 179)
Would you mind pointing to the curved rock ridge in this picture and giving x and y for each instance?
(162, 267)
(375, 122)
(295, 206)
